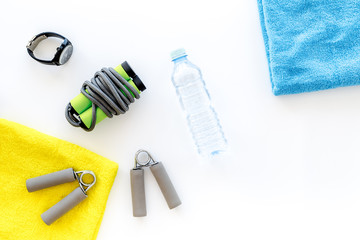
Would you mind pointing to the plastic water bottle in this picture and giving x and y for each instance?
(195, 101)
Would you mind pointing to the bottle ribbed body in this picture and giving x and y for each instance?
(196, 103)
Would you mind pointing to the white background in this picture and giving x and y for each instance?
(293, 169)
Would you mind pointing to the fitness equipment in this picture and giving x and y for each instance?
(108, 93)
(71, 200)
(138, 186)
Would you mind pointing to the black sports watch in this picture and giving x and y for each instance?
(63, 52)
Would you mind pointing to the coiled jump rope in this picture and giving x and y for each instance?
(108, 93)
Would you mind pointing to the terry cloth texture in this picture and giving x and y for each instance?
(311, 44)
(27, 153)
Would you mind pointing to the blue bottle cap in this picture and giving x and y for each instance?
(178, 53)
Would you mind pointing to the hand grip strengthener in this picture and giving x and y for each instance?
(57, 178)
(138, 185)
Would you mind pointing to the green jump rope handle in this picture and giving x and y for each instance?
(83, 106)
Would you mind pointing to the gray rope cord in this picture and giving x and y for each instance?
(109, 91)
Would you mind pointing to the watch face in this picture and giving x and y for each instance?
(66, 54)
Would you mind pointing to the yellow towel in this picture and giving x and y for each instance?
(27, 153)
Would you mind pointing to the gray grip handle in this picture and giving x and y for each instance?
(165, 185)
(49, 180)
(138, 192)
(62, 207)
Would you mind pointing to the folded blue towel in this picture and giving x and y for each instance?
(311, 44)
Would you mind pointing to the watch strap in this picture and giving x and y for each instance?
(34, 42)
